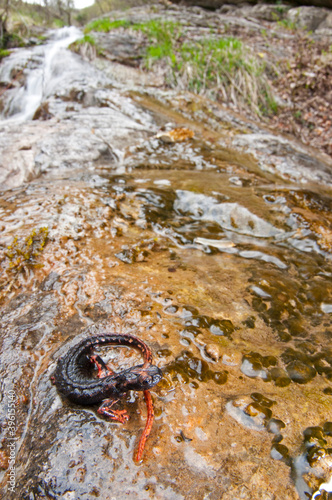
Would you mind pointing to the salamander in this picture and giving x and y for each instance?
(74, 379)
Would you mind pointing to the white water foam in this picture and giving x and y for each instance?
(25, 100)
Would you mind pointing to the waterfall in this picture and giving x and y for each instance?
(37, 64)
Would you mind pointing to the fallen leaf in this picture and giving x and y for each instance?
(176, 135)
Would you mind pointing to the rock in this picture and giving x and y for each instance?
(300, 372)
(215, 4)
(325, 27)
(123, 47)
(213, 351)
(309, 18)
(280, 377)
(265, 12)
(264, 146)
(42, 113)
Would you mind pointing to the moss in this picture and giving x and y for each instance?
(24, 253)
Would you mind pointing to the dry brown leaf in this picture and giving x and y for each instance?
(176, 135)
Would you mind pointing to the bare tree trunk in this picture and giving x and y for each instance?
(3, 21)
(47, 10)
(98, 2)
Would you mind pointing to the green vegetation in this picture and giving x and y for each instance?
(20, 256)
(290, 24)
(164, 38)
(59, 23)
(222, 68)
(287, 24)
(86, 39)
(4, 53)
(86, 47)
(24, 253)
(105, 25)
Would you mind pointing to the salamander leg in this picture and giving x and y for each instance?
(103, 370)
(118, 415)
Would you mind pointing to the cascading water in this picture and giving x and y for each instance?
(39, 65)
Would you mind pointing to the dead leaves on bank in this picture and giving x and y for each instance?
(307, 85)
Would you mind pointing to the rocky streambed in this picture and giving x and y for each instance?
(126, 207)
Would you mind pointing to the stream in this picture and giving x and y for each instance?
(126, 207)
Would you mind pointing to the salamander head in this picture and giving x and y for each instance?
(139, 378)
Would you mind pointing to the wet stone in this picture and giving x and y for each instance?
(213, 351)
(300, 372)
(327, 428)
(219, 378)
(190, 367)
(280, 377)
(199, 321)
(253, 370)
(277, 438)
(262, 400)
(314, 435)
(256, 410)
(171, 309)
(49, 282)
(131, 255)
(247, 414)
(315, 455)
(275, 425)
(222, 327)
(279, 452)
(250, 322)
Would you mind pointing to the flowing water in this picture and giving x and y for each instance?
(215, 250)
(41, 82)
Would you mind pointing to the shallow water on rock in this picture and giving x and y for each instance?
(209, 252)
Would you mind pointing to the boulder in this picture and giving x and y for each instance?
(308, 18)
(215, 4)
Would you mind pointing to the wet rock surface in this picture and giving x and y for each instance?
(213, 250)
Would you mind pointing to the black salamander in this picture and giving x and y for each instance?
(73, 375)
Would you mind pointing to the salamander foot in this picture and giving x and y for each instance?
(117, 415)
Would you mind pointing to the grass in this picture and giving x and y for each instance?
(86, 39)
(59, 23)
(287, 24)
(164, 38)
(86, 47)
(222, 68)
(105, 25)
(4, 53)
